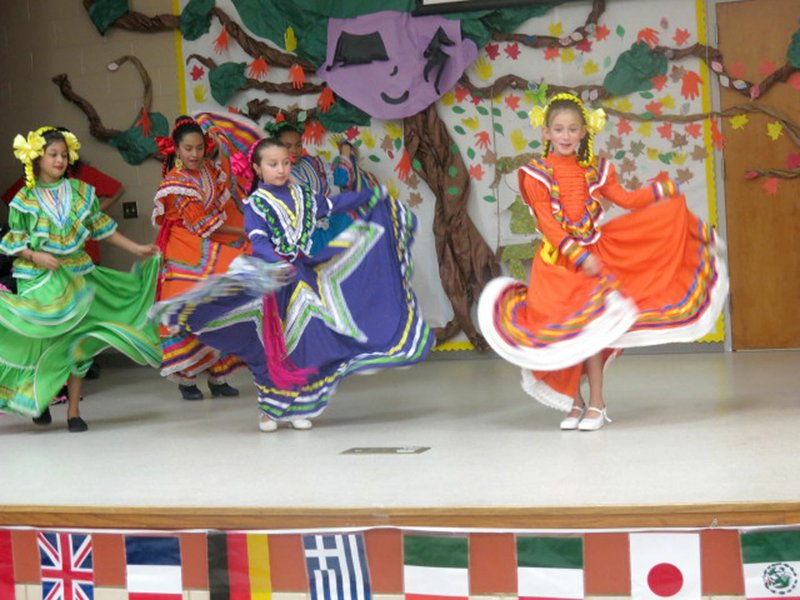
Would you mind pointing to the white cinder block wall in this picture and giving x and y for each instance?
(42, 38)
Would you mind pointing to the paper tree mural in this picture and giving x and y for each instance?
(437, 106)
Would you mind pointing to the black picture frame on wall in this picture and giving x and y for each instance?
(432, 7)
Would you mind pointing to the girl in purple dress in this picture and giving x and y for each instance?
(347, 308)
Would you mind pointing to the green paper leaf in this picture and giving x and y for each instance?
(516, 268)
(490, 198)
(103, 13)
(522, 221)
(459, 130)
(226, 80)
(522, 114)
(374, 158)
(453, 191)
(620, 31)
(482, 110)
(416, 165)
(499, 128)
(535, 144)
(665, 158)
(470, 153)
(634, 70)
(793, 51)
(452, 170)
(459, 110)
(646, 95)
(398, 143)
(619, 155)
(496, 112)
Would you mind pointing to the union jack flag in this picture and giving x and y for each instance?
(67, 572)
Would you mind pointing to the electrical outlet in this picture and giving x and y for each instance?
(130, 210)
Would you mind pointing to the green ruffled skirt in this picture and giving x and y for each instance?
(59, 321)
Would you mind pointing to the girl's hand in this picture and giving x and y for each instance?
(45, 260)
(591, 266)
(146, 250)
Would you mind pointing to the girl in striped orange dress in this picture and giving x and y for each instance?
(201, 230)
(651, 276)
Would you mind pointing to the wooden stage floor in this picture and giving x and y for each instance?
(697, 440)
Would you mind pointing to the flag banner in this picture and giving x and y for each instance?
(378, 563)
(238, 566)
(665, 565)
(771, 564)
(153, 568)
(6, 566)
(66, 562)
(337, 567)
(549, 567)
(435, 567)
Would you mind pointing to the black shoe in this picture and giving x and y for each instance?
(94, 371)
(190, 392)
(222, 389)
(76, 424)
(45, 418)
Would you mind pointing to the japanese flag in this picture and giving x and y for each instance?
(665, 565)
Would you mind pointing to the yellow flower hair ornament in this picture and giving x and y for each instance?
(73, 145)
(26, 150)
(537, 115)
(595, 121)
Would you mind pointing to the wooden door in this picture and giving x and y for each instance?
(763, 229)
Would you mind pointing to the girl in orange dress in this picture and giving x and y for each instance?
(201, 230)
(651, 276)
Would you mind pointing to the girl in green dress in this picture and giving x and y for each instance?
(67, 309)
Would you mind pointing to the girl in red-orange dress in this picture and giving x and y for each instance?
(201, 230)
(651, 276)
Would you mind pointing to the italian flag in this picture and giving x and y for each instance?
(771, 564)
(435, 567)
(549, 567)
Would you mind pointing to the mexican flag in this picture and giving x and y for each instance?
(435, 567)
(771, 564)
(549, 567)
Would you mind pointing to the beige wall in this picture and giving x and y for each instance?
(42, 38)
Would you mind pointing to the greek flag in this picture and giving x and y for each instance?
(337, 567)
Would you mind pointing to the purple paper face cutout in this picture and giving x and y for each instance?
(392, 65)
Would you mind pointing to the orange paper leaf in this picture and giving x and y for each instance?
(403, 168)
(298, 76)
(690, 88)
(648, 35)
(716, 136)
(771, 186)
(144, 121)
(258, 68)
(326, 99)
(221, 43)
(313, 132)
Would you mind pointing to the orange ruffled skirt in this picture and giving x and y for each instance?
(662, 281)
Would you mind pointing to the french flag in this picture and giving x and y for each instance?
(154, 568)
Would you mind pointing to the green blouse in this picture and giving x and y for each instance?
(56, 218)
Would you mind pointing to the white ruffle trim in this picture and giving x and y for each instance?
(619, 315)
(692, 331)
(544, 394)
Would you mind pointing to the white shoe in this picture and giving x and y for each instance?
(301, 424)
(571, 423)
(594, 423)
(367, 371)
(267, 424)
